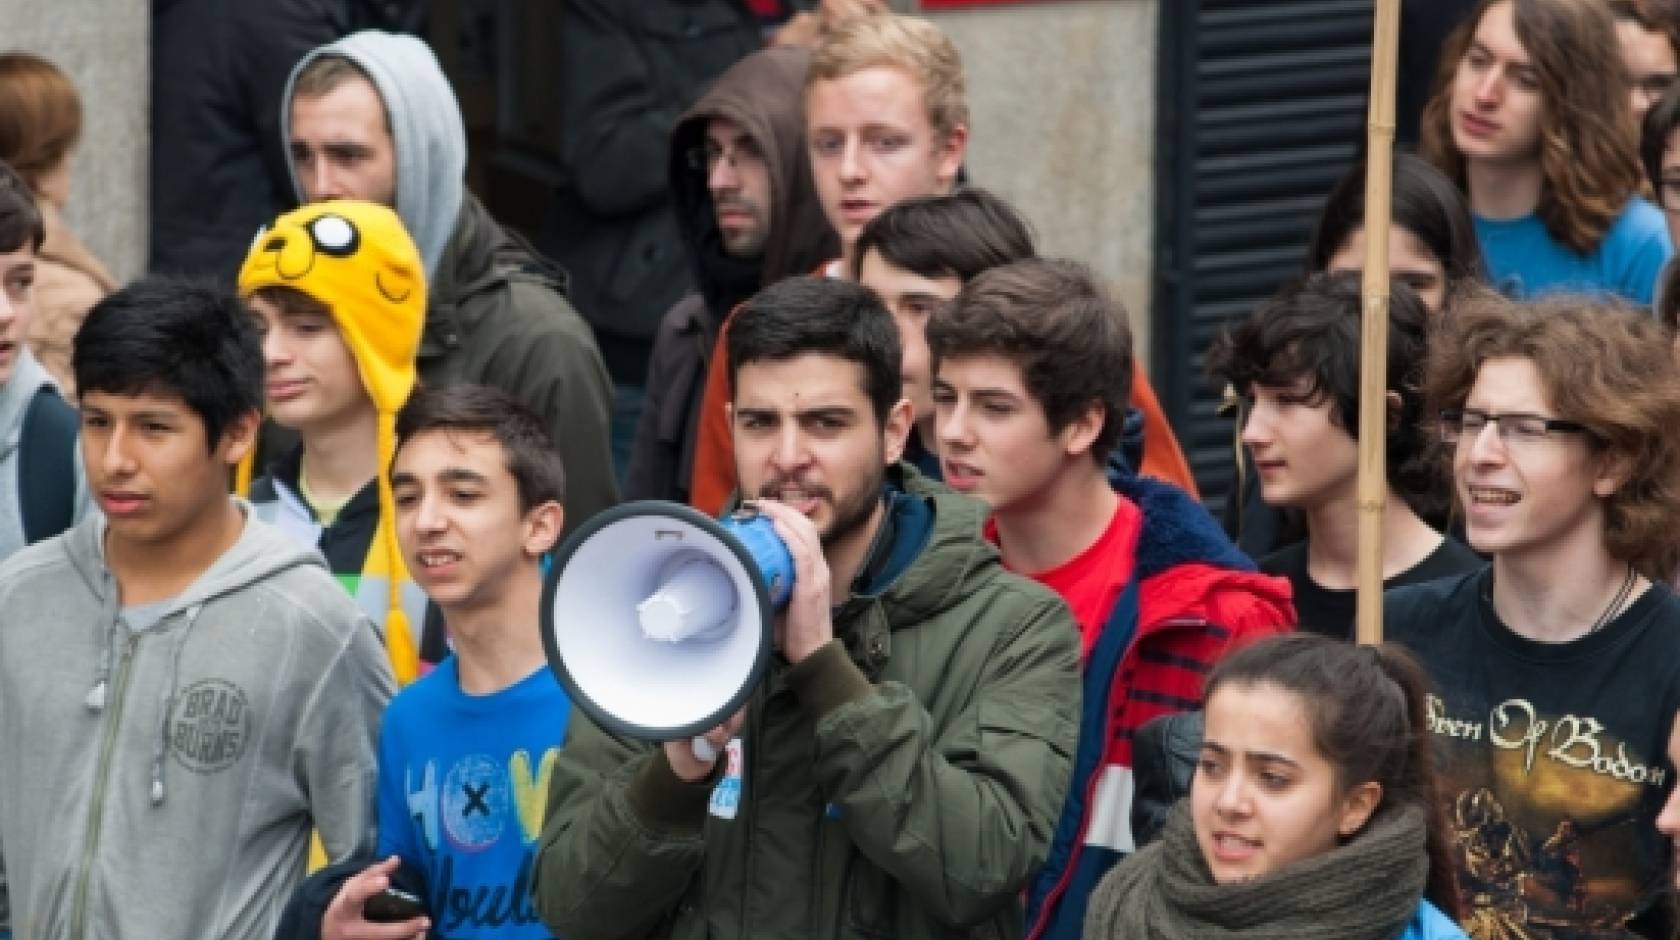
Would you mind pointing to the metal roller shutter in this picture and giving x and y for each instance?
(1262, 108)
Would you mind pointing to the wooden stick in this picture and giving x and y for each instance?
(1373, 346)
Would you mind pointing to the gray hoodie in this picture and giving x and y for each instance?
(27, 378)
(164, 783)
(426, 128)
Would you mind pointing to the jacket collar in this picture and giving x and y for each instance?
(287, 472)
(1176, 529)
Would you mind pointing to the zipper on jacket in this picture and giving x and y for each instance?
(113, 718)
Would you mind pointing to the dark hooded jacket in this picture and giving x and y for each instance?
(762, 94)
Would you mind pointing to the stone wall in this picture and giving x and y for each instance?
(1063, 102)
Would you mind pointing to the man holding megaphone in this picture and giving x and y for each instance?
(900, 766)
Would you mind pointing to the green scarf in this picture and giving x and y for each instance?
(1365, 889)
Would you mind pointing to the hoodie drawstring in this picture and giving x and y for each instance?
(170, 680)
(95, 700)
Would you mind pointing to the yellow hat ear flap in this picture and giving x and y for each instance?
(244, 470)
(399, 636)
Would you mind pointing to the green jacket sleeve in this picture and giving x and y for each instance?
(622, 840)
(963, 829)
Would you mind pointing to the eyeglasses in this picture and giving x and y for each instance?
(1516, 428)
(704, 158)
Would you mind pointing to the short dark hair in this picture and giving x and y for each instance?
(293, 301)
(821, 315)
(172, 336)
(1424, 202)
(527, 450)
(1310, 331)
(955, 235)
(1660, 121)
(1056, 321)
(20, 216)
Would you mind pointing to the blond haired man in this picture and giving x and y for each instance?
(886, 119)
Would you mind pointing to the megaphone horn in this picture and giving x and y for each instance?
(657, 619)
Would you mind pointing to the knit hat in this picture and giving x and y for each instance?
(358, 260)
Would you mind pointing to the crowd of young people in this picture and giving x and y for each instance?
(1003, 577)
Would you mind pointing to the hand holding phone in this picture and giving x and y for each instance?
(392, 905)
(368, 908)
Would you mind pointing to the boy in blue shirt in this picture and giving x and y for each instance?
(466, 752)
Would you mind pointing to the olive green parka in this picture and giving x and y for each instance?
(902, 781)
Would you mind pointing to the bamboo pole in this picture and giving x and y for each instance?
(1373, 346)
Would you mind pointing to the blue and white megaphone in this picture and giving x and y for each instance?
(657, 619)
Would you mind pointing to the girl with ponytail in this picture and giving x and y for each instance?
(1313, 811)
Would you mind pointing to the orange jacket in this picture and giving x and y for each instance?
(714, 449)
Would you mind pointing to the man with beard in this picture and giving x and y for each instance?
(749, 216)
(902, 763)
(373, 117)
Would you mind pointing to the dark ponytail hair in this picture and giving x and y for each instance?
(1369, 712)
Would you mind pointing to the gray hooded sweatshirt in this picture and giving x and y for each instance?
(15, 395)
(163, 783)
(426, 128)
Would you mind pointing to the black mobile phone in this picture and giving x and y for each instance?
(393, 905)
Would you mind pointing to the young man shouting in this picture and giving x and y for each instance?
(904, 758)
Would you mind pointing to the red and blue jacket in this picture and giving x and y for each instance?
(1193, 596)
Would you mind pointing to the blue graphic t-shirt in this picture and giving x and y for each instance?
(1524, 263)
(463, 784)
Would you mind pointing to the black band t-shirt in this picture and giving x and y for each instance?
(1331, 611)
(1553, 760)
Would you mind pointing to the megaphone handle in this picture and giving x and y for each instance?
(703, 750)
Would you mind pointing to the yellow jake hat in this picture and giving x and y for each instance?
(358, 260)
